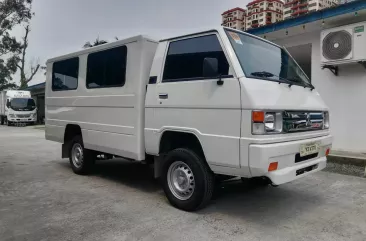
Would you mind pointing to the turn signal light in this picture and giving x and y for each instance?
(273, 166)
(258, 116)
(327, 152)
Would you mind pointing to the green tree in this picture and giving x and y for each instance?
(12, 13)
(96, 43)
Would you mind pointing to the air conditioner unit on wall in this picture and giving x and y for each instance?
(342, 45)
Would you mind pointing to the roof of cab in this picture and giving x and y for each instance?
(102, 47)
(216, 30)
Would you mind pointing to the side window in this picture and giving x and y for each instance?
(65, 74)
(184, 60)
(107, 68)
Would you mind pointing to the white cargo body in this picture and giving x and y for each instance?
(17, 106)
(215, 102)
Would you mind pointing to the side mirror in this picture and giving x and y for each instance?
(210, 67)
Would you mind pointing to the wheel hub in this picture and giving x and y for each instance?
(77, 155)
(181, 180)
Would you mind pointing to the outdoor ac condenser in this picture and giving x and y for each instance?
(342, 45)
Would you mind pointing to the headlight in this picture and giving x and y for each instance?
(326, 120)
(11, 115)
(266, 122)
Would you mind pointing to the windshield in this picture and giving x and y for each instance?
(20, 104)
(260, 59)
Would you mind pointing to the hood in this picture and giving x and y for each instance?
(270, 95)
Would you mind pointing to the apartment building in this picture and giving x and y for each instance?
(263, 12)
(234, 18)
(295, 8)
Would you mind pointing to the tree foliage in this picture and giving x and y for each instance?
(12, 13)
(96, 43)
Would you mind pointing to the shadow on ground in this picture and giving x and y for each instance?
(248, 200)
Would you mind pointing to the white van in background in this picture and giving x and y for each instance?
(17, 106)
(214, 102)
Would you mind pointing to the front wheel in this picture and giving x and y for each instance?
(187, 180)
(81, 159)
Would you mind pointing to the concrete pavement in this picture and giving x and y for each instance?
(41, 199)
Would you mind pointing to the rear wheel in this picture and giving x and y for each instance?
(2, 120)
(81, 159)
(187, 180)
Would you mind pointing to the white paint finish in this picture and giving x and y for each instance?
(260, 156)
(343, 94)
(111, 119)
(263, 94)
(203, 107)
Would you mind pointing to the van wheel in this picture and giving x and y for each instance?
(81, 159)
(187, 180)
(8, 123)
(2, 120)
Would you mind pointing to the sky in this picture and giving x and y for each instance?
(63, 26)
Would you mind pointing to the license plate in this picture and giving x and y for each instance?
(309, 148)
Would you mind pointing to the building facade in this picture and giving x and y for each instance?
(234, 18)
(295, 8)
(263, 12)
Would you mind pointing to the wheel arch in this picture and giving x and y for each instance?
(71, 130)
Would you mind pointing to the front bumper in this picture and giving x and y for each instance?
(261, 155)
(22, 120)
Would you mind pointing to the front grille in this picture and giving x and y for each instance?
(295, 121)
(23, 116)
(299, 158)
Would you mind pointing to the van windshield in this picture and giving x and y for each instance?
(22, 104)
(262, 60)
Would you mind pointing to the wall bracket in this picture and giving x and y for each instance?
(333, 68)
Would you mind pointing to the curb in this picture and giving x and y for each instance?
(346, 160)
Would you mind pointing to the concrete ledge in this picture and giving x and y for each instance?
(347, 163)
(347, 160)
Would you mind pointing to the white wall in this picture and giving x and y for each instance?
(344, 94)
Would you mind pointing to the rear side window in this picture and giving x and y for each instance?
(184, 60)
(107, 68)
(65, 75)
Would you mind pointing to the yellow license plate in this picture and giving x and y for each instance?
(309, 148)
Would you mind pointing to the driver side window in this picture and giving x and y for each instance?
(184, 61)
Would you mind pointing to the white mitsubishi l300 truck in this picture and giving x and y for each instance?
(216, 102)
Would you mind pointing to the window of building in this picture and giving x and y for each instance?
(261, 9)
(107, 68)
(185, 58)
(262, 3)
(260, 20)
(65, 75)
(288, 11)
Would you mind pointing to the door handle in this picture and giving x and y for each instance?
(163, 96)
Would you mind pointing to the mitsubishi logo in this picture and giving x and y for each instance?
(308, 121)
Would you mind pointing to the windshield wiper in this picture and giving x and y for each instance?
(309, 85)
(266, 74)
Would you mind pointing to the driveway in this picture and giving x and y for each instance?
(41, 199)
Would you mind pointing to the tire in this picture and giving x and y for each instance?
(1, 120)
(8, 123)
(195, 176)
(81, 159)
